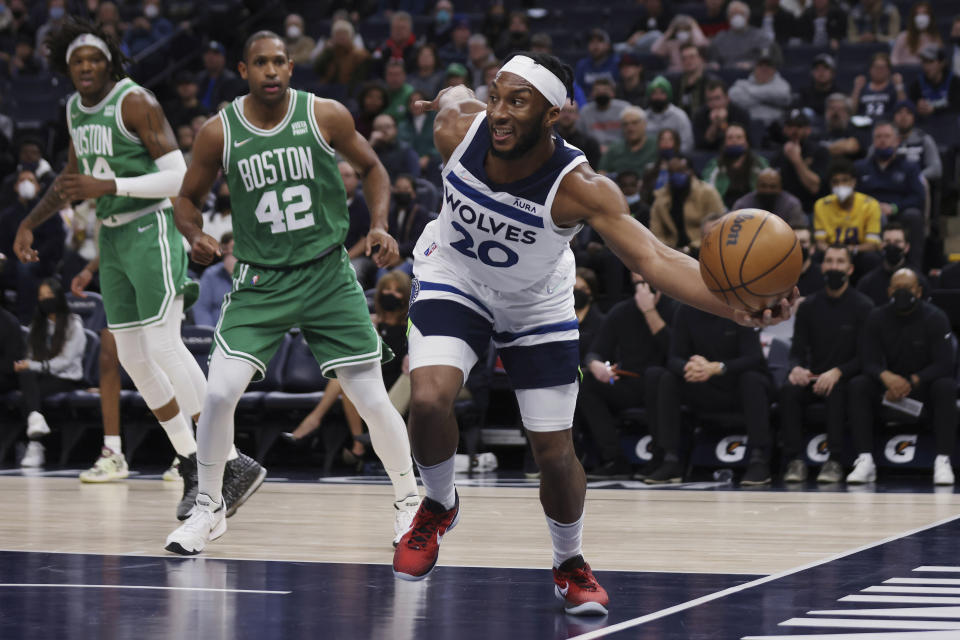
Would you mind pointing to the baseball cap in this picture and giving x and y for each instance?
(461, 21)
(598, 34)
(932, 52)
(797, 118)
(766, 57)
(629, 59)
(456, 69)
(213, 45)
(826, 60)
(905, 104)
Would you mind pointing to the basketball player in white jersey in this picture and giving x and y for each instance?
(497, 265)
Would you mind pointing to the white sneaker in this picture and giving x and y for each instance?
(37, 426)
(109, 466)
(864, 470)
(406, 509)
(942, 471)
(173, 473)
(207, 523)
(34, 456)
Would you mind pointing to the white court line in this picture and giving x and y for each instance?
(946, 581)
(137, 586)
(939, 569)
(934, 591)
(683, 606)
(869, 623)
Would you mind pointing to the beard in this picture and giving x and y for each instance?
(524, 144)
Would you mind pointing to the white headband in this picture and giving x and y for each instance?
(545, 81)
(88, 40)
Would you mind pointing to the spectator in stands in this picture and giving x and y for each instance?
(683, 30)
(218, 221)
(601, 62)
(936, 90)
(428, 76)
(440, 28)
(629, 183)
(215, 283)
(460, 44)
(954, 57)
(20, 19)
(516, 37)
(877, 97)
(657, 174)
(341, 61)
(601, 116)
(56, 14)
(742, 46)
(770, 196)
(355, 242)
(921, 31)
(401, 45)
(811, 278)
(49, 239)
(662, 114)
(714, 365)
(896, 183)
(734, 173)
(456, 75)
(12, 348)
(54, 362)
(29, 158)
(217, 83)
(823, 76)
(873, 21)
(916, 145)
(823, 358)
(624, 363)
(568, 128)
(397, 157)
(494, 21)
(108, 15)
(300, 46)
(907, 352)
(371, 100)
(680, 206)
(632, 86)
(186, 106)
(147, 29)
(848, 217)
(802, 161)
(398, 91)
(765, 94)
(894, 251)
(840, 137)
(823, 23)
(689, 89)
(635, 150)
(479, 56)
(715, 19)
(711, 120)
(654, 18)
(589, 316)
(541, 43)
(417, 131)
(406, 220)
(24, 62)
(779, 24)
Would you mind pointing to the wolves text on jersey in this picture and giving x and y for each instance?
(475, 216)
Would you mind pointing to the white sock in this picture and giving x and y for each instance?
(210, 479)
(404, 484)
(180, 435)
(113, 443)
(233, 455)
(567, 539)
(438, 482)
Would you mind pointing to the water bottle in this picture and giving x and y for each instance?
(723, 475)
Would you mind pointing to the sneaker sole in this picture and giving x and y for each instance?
(676, 480)
(103, 479)
(588, 608)
(755, 483)
(249, 492)
(174, 547)
(409, 577)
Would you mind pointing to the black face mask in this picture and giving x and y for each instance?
(390, 302)
(402, 199)
(805, 253)
(580, 299)
(658, 105)
(47, 306)
(602, 100)
(767, 200)
(222, 204)
(892, 255)
(904, 302)
(835, 279)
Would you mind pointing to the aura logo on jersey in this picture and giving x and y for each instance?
(732, 449)
(901, 448)
(276, 165)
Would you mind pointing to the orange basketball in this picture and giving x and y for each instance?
(750, 259)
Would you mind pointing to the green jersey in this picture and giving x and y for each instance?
(106, 149)
(287, 199)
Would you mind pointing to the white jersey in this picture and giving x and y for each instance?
(499, 235)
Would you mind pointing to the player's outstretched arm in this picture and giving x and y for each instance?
(596, 200)
(337, 125)
(207, 154)
(455, 107)
(51, 202)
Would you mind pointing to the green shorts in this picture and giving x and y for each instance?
(143, 267)
(323, 299)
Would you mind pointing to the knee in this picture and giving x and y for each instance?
(429, 403)
(553, 455)
(859, 385)
(753, 383)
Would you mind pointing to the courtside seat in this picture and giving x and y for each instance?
(90, 309)
(302, 383)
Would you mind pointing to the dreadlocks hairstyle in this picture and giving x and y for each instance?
(58, 42)
(553, 64)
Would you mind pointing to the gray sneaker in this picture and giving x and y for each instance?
(796, 471)
(830, 473)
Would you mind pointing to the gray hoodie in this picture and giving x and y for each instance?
(766, 102)
(673, 117)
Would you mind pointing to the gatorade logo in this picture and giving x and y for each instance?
(734, 233)
(901, 449)
(817, 449)
(644, 448)
(732, 449)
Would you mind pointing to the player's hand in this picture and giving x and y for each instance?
(23, 245)
(388, 253)
(77, 186)
(422, 106)
(825, 383)
(204, 248)
(800, 377)
(21, 365)
(80, 282)
(781, 312)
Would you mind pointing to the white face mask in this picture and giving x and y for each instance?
(922, 21)
(27, 190)
(294, 32)
(635, 198)
(843, 192)
(683, 36)
(738, 21)
(151, 11)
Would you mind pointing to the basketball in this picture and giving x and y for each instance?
(750, 259)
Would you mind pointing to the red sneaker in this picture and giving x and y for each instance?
(579, 591)
(419, 547)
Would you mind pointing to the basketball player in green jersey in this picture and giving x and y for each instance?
(277, 147)
(124, 153)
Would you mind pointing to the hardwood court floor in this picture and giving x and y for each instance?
(668, 530)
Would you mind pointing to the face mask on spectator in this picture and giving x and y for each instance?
(892, 255)
(922, 21)
(634, 199)
(734, 150)
(443, 16)
(835, 279)
(390, 302)
(904, 302)
(222, 203)
(666, 154)
(738, 22)
(294, 32)
(658, 105)
(27, 190)
(580, 299)
(403, 199)
(47, 306)
(843, 191)
(151, 11)
(683, 36)
(767, 200)
(805, 253)
(885, 154)
(602, 100)
(56, 13)
(680, 180)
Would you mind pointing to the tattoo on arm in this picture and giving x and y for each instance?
(49, 204)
